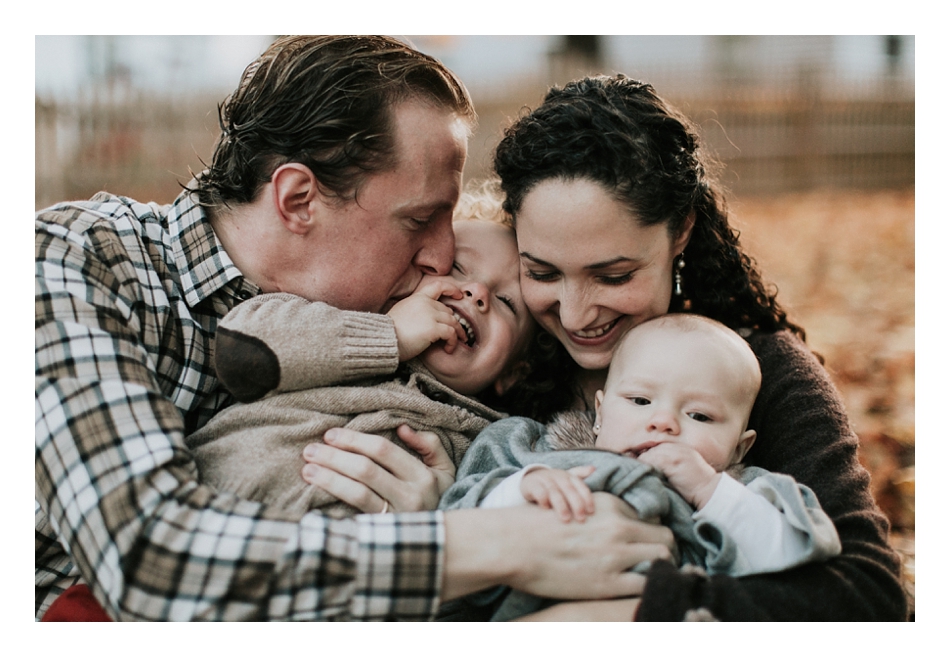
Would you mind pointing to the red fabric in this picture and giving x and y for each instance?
(76, 604)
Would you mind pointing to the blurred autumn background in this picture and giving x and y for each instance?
(815, 135)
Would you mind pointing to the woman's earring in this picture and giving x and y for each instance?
(678, 267)
(596, 429)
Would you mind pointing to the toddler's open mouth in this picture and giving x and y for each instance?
(466, 325)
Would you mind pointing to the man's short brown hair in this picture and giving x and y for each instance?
(324, 102)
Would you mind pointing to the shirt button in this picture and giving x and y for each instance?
(244, 295)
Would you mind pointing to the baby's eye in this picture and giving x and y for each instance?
(640, 401)
(699, 417)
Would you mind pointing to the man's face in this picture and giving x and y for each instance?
(372, 251)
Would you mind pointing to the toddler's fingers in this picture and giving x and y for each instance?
(451, 331)
(435, 287)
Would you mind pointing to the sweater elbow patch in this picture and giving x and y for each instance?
(245, 365)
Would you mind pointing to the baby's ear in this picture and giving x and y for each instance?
(598, 402)
(513, 374)
(745, 444)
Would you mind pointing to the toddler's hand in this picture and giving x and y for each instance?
(564, 491)
(420, 319)
(686, 471)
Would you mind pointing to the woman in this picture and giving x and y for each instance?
(618, 221)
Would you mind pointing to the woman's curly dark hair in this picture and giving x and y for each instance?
(619, 133)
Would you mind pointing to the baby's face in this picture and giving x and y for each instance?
(491, 311)
(671, 386)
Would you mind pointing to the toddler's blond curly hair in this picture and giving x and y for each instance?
(482, 201)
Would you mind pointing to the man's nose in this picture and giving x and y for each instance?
(437, 253)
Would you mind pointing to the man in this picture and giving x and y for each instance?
(334, 179)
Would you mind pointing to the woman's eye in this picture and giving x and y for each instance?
(700, 417)
(616, 280)
(539, 276)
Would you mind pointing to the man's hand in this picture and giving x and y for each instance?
(367, 471)
(421, 320)
(564, 491)
(686, 471)
(530, 549)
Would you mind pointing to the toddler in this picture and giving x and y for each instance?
(305, 368)
(677, 400)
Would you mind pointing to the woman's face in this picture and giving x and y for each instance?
(589, 270)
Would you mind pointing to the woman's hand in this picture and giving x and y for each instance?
(622, 610)
(368, 471)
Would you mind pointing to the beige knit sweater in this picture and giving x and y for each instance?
(255, 449)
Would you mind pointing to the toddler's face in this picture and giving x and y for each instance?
(492, 311)
(674, 386)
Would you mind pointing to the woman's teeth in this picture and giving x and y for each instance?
(595, 332)
(469, 331)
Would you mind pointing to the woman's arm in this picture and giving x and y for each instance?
(803, 431)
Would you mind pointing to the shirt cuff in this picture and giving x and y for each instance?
(399, 563)
(508, 492)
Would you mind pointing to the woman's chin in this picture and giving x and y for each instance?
(590, 359)
(592, 354)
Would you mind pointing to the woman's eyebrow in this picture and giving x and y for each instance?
(610, 263)
(597, 265)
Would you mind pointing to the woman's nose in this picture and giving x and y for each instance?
(574, 311)
(478, 293)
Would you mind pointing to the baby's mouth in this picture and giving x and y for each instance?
(640, 449)
(469, 331)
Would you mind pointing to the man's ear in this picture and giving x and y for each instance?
(295, 192)
(745, 444)
(679, 244)
(598, 402)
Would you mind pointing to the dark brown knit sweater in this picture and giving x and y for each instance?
(803, 431)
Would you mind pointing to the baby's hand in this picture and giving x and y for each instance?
(420, 319)
(561, 490)
(686, 471)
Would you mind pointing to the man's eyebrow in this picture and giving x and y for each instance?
(423, 207)
(597, 265)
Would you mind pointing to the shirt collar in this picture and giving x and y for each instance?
(203, 264)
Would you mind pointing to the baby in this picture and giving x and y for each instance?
(677, 401)
(421, 366)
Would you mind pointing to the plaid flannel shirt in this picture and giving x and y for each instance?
(128, 296)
